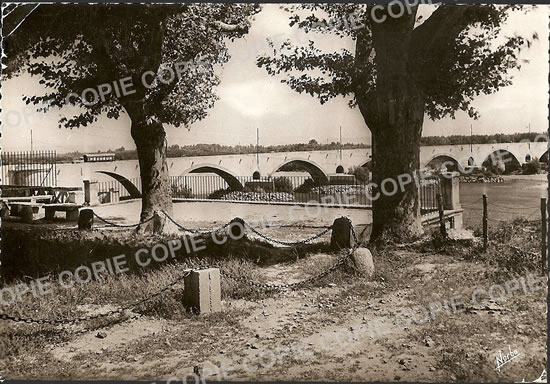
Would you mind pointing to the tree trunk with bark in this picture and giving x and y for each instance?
(395, 117)
(396, 160)
(150, 140)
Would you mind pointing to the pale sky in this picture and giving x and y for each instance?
(250, 99)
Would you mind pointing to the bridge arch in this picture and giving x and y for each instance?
(544, 157)
(367, 164)
(451, 164)
(309, 166)
(229, 178)
(130, 187)
(502, 160)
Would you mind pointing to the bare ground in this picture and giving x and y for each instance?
(343, 328)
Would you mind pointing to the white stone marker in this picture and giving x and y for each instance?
(362, 260)
(202, 291)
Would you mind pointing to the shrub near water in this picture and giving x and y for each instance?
(531, 168)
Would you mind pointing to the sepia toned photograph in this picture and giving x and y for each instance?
(260, 192)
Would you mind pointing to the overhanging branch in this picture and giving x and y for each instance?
(224, 27)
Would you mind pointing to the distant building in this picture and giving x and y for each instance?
(97, 157)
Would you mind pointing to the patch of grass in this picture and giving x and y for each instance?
(19, 341)
(514, 248)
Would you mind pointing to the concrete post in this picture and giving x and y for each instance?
(450, 190)
(362, 261)
(86, 218)
(202, 291)
(91, 190)
(27, 214)
(237, 229)
(341, 234)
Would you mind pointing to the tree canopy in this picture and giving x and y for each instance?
(454, 55)
(75, 47)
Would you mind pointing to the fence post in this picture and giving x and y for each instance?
(442, 228)
(543, 215)
(485, 222)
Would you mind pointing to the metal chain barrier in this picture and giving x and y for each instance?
(312, 279)
(267, 286)
(195, 231)
(122, 225)
(120, 310)
(287, 243)
(297, 226)
(267, 238)
(309, 280)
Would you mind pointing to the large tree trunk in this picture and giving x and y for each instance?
(150, 140)
(396, 160)
(398, 107)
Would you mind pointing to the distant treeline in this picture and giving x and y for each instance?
(483, 139)
(218, 149)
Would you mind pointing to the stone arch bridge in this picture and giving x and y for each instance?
(320, 164)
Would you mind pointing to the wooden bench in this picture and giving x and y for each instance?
(70, 209)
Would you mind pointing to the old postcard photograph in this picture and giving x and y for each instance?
(307, 192)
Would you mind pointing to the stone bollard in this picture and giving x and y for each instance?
(341, 234)
(237, 229)
(86, 219)
(202, 291)
(362, 261)
(27, 214)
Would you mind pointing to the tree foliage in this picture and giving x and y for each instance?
(484, 139)
(72, 47)
(457, 53)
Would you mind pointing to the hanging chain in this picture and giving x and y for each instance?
(201, 266)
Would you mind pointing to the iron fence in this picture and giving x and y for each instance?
(340, 191)
(29, 168)
(429, 190)
(104, 187)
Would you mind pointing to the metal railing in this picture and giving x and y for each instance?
(295, 189)
(340, 191)
(29, 168)
(105, 187)
(429, 189)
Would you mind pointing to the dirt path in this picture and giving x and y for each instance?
(344, 330)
